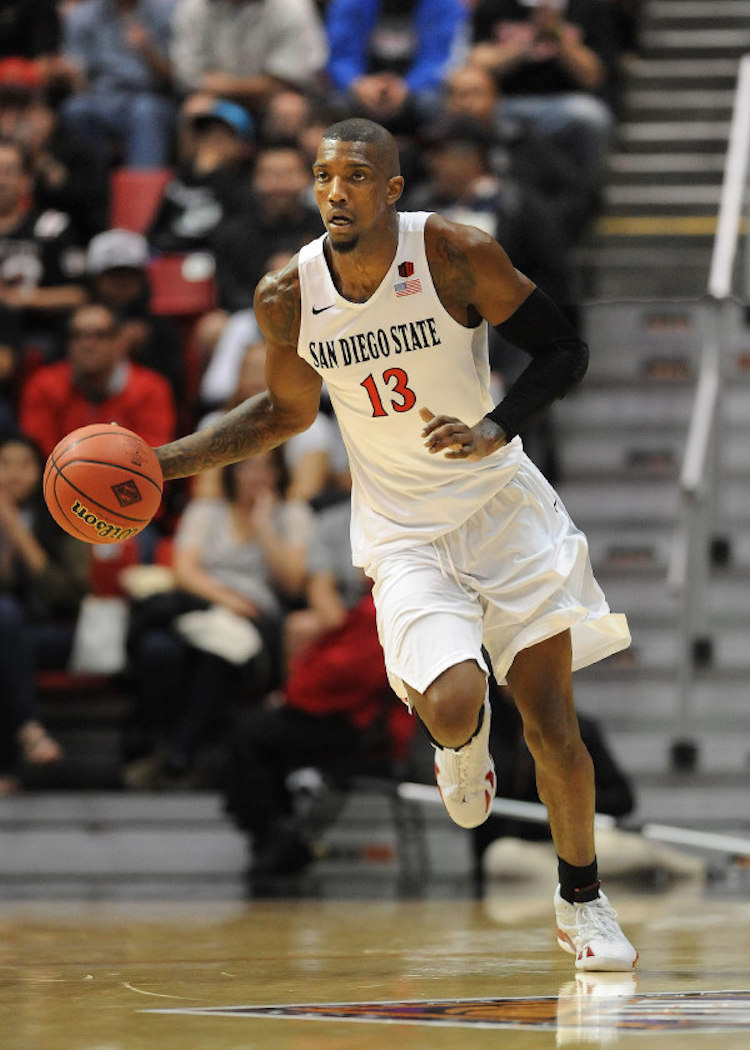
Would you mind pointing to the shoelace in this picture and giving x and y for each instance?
(602, 917)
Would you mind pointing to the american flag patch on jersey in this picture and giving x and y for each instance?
(408, 287)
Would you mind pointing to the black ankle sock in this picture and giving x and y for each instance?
(578, 885)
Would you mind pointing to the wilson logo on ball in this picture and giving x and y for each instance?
(127, 493)
(104, 528)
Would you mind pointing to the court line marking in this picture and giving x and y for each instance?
(698, 1011)
(157, 995)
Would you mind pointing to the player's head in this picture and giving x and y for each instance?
(357, 179)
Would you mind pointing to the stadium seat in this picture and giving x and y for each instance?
(182, 285)
(134, 196)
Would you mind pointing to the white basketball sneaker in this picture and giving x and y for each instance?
(592, 933)
(466, 777)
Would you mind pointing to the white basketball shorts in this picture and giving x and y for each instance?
(515, 573)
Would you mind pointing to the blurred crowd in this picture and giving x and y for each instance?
(154, 163)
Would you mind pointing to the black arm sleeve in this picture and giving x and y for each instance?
(559, 360)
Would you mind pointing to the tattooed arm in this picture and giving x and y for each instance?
(475, 279)
(473, 276)
(289, 405)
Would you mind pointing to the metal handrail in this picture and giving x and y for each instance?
(719, 288)
(689, 565)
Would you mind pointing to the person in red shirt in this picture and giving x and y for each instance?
(95, 384)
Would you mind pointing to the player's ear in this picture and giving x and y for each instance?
(395, 188)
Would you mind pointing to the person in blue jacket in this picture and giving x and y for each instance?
(388, 58)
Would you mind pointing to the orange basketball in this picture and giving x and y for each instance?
(102, 483)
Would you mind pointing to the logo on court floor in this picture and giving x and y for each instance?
(573, 1012)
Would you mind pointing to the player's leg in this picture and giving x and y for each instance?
(541, 683)
(455, 711)
(449, 707)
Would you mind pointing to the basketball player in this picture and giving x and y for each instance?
(466, 542)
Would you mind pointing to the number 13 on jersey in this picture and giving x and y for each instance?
(398, 392)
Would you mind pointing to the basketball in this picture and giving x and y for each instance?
(102, 483)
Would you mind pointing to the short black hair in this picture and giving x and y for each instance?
(359, 129)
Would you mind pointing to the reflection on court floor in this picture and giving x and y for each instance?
(591, 1006)
(424, 975)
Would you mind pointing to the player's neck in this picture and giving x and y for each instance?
(359, 273)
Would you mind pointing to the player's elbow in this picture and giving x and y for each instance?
(575, 353)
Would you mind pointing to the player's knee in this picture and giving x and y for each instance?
(451, 704)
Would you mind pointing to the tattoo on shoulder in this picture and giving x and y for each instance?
(453, 275)
(278, 300)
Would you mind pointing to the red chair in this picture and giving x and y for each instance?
(135, 194)
(107, 562)
(182, 285)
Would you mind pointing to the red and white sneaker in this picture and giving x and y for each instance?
(466, 777)
(592, 933)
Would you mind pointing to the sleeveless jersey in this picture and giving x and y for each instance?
(383, 360)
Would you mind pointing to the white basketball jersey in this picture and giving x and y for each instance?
(382, 361)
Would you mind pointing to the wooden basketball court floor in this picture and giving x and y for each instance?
(437, 974)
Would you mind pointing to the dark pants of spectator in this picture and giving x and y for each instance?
(186, 697)
(266, 746)
(25, 648)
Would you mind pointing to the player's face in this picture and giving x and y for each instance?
(353, 192)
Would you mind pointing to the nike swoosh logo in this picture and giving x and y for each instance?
(320, 309)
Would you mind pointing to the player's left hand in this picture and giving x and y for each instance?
(457, 439)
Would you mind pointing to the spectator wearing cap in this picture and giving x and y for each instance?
(209, 184)
(96, 383)
(122, 91)
(247, 50)
(117, 268)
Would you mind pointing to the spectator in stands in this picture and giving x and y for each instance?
(243, 554)
(41, 265)
(463, 187)
(389, 57)
(208, 185)
(122, 88)
(66, 175)
(516, 150)
(554, 63)
(43, 577)
(516, 777)
(96, 383)
(311, 458)
(117, 266)
(335, 709)
(10, 354)
(275, 218)
(30, 29)
(246, 50)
